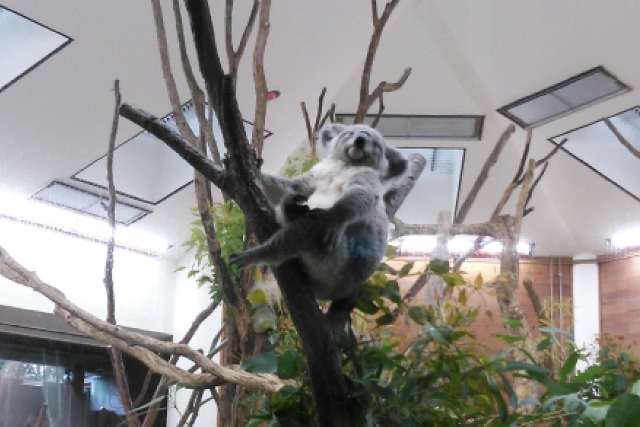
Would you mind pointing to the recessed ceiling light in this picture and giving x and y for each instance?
(75, 199)
(25, 45)
(566, 97)
(424, 127)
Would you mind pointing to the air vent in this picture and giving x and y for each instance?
(78, 200)
(424, 127)
(442, 160)
(25, 45)
(569, 96)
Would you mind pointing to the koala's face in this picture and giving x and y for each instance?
(360, 145)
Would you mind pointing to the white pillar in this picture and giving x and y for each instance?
(586, 302)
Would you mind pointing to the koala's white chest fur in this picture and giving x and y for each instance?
(331, 178)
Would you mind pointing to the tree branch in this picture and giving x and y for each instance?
(257, 140)
(483, 175)
(395, 196)
(621, 138)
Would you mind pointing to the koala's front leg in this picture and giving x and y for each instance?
(276, 187)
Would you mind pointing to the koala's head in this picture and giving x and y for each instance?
(360, 145)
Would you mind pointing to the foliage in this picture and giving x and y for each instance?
(438, 380)
(298, 163)
(228, 221)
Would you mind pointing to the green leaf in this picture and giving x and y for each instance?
(552, 330)
(257, 296)
(624, 412)
(439, 266)
(418, 314)
(385, 319)
(509, 338)
(453, 279)
(569, 365)
(366, 306)
(546, 343)
(513, 323)
(264, 363)
(404, 271)
(289, 364)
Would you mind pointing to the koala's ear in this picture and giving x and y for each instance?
(397, 162)
(325, 135)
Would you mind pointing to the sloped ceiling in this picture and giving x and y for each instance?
(467, 58)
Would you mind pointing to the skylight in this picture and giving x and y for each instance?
(147, 170)
(438, 184)
(424, 127)
(82, 201)
(597, 147)
(25, 45)
(566, 97)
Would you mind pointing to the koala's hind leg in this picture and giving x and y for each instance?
(304, 236)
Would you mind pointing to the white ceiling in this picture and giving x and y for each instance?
(468, 57)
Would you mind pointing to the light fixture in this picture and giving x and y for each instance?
(424, 245)
(50, 217)
(83, 201)
(628, 239)
(25, 45)
(566, 97)
(423, 127)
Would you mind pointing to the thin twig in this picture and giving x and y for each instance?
(533, 187)
(523, 158)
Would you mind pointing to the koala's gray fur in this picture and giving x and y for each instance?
(341, 236)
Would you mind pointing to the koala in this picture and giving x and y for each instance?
(340, 234)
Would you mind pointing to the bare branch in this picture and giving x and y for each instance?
(139, 346)
(199, 102)
(111, 208)
(172, 89)
(259, 78)
(386, 87)
(307, 122)
(522, 200)
(478, 244)
(525, 155)
(114, 354)
(533, 187)
(621, 138)
(316, 125)
(488, 229)
(395, 196)
(235, 56)
(178, 144)
(380, 111)
(483, 175)
(379, 22)
(552, 153)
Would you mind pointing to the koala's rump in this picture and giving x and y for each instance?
(339, 274)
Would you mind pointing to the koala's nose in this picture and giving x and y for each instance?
(361, 139)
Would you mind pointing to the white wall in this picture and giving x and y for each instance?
(586, 302)
(144, 285)
(188, 302)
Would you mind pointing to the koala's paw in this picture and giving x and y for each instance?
(240, 260)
